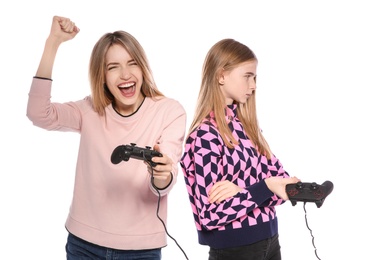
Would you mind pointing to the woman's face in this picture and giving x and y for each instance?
(124, 79)
(239, 83)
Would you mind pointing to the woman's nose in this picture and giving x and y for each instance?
(125, 73)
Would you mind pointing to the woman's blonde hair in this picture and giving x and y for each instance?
(101, 96)
(225, 55)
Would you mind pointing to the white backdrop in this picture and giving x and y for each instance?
(312, 104)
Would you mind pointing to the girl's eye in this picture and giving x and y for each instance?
(250, 76)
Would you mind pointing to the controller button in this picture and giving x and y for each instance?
(299, 185)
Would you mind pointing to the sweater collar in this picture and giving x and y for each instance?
(230, 112)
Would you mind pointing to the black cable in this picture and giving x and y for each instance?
(311, 232)
(157, 209)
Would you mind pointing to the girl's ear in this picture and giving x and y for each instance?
(221, 77)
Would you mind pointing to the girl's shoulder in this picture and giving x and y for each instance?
(207, 129)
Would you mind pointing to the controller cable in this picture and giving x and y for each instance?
(158, 206)
(311, 232)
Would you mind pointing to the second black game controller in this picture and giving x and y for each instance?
(125, 152)
(309, 192)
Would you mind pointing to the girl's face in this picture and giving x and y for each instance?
(124, 79)
(239, 84)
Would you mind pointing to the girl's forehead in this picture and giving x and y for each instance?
(247, 66)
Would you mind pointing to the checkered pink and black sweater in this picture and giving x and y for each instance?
(250, 215)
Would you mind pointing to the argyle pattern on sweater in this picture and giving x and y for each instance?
(207, 160)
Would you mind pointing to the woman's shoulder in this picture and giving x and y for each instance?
(166, 103)
(161, 100)
(85, 102)
(85, 105)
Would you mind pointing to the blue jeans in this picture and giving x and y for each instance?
(79, 249)
(268, 249)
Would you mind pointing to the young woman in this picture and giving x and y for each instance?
(114, 206)
(233, 179)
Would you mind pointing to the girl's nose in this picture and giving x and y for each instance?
(252, 85)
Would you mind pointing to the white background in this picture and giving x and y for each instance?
(312, 105)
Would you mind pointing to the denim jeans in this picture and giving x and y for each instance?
(268, 249)
(79, 249)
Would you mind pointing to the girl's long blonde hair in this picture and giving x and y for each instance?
(225, 55)
(101, 96)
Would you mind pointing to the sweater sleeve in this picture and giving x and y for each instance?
(275, 168)
(51, 116)
(172, 137)
(204, 163)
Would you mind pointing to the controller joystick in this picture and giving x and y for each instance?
(314, 186)
(299, 185)
(309, 192)
(125, 152)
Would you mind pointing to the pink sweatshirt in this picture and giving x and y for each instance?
(114, 205)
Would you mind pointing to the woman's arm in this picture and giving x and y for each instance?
(62, 29)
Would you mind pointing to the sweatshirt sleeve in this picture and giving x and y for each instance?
(172, 137)
(51, 116)
(205, 162)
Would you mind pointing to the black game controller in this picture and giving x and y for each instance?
(124, 152)
(309, 192)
